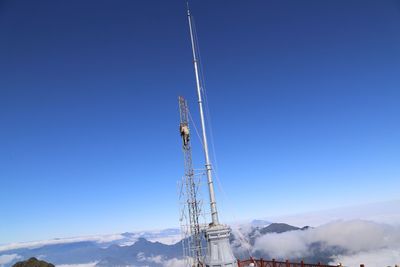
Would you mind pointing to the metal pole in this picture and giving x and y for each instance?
(213, 204)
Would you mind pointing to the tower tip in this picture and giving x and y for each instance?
(187, 7)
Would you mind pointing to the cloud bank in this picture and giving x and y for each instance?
(159, 259)
(376, 258)
(36, 244)
(354, 242)
(7, 258)
(89, 264)
(174, 263)
(387, 212)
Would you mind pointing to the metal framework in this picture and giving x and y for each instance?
(190, 191)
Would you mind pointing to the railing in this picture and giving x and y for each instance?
(273, 263)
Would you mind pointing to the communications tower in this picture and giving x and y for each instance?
(190, 191)
(219, 252)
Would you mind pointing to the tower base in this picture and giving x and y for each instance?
(219, 252)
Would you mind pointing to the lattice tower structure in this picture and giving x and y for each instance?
(191, 210)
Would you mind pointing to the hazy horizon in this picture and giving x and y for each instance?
(387, 212)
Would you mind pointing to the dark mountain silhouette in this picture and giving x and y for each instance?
(278, 228)
(33, 262)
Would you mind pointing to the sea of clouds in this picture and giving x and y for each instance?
(359, 241)
(371, 243)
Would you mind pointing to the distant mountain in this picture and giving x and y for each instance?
(167, 236)
(142, 252)
(278, 228)
(270, 228)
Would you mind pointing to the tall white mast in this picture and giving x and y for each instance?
(219, 252)
(213, 204)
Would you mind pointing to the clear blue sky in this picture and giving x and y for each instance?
(304, 97)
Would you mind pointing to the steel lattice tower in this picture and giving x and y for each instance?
(192, 205)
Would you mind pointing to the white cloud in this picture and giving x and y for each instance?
(285, 245)
(36, 244)
(89, 264)
(156, 259)
(241, 243)
(357, 235)
(376, 258)
(159, 259)
(140, 256)
(358, 238)
(7, 258)
(167, 240)
(174, 263)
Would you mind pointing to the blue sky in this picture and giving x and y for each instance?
(304, 98)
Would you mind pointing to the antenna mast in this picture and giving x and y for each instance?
(213, 203)
(219, 252)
